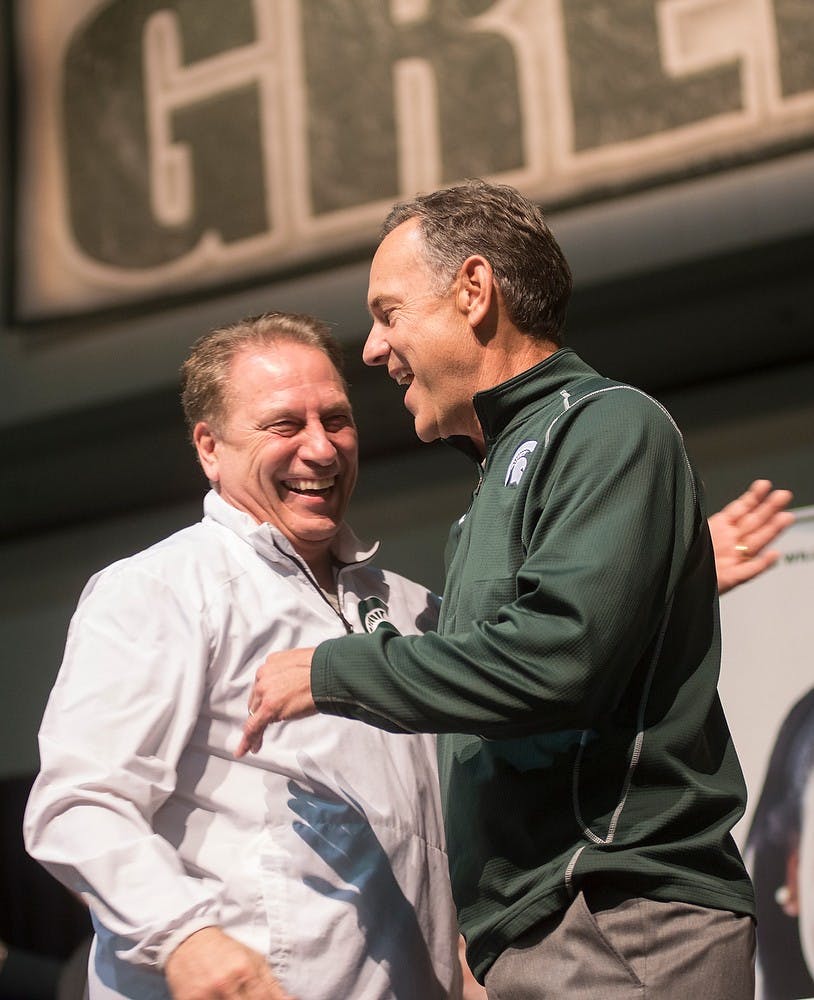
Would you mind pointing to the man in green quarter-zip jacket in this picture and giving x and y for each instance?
(588, 778)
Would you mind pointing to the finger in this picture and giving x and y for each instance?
(252, 738)
(248, 744)
(751, 498)
(765, 523)
(263, 987)
(761, 536)
(758, 490)
(255, 701)
(270, 989)
(753, 567)
(767, 519)
(776, 503)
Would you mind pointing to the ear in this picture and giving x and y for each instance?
(206, 441)
(476, 289)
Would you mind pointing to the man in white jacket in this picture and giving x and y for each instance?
(315, 869)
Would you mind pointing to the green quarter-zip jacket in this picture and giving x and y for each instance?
(573, 676)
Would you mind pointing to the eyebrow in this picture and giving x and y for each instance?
(280, 410)
(375, 304)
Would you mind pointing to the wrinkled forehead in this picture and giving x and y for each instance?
(289, 372)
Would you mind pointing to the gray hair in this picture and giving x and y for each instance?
(498, 223)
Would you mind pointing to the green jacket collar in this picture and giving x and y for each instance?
(497, 407)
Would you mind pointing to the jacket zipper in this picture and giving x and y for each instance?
(305, 571)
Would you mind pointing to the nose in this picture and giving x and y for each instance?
(316, 446)
(376, 349)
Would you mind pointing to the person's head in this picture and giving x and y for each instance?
(268, 414)
(455, 270)
(497, 222)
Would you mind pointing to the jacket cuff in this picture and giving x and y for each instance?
(321, 675)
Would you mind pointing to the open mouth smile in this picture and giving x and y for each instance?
(310, 487)
(401, 374)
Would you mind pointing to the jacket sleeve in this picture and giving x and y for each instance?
(124, 703)
(608, 526)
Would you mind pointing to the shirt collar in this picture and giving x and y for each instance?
(269, 542)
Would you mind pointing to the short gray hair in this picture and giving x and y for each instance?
(498, 223)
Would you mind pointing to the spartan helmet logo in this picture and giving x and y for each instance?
(372, 614)
(520, 460)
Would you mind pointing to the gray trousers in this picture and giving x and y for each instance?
(637, 948)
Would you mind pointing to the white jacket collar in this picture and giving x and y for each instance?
(269, 541)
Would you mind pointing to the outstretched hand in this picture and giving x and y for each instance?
(742, 530)
(281, 692)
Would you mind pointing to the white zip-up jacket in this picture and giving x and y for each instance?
(324, 851)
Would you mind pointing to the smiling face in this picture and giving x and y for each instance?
(422, 335)
(287, 451)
